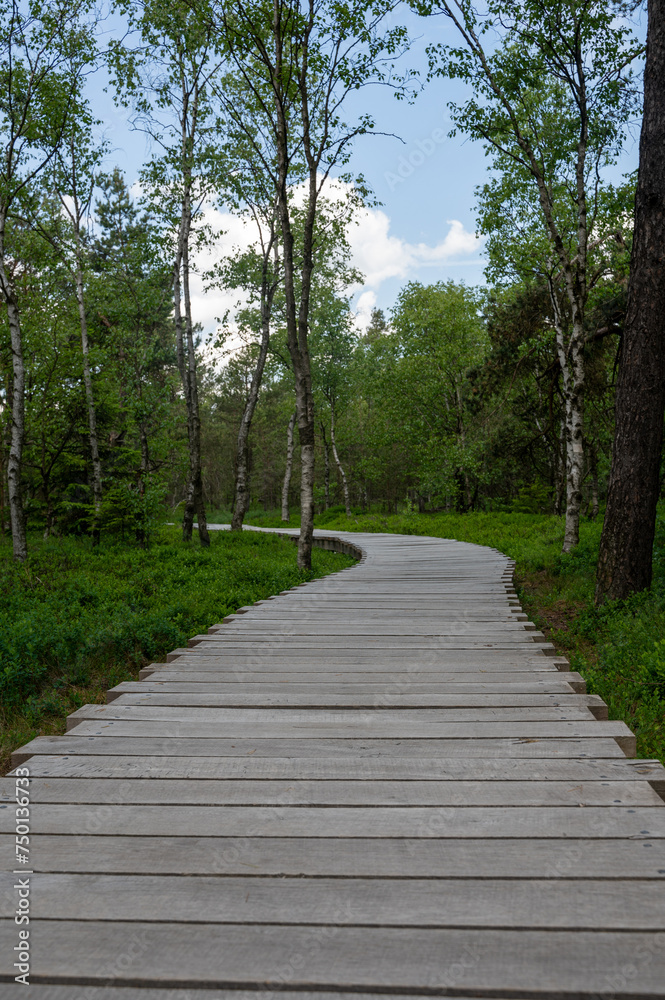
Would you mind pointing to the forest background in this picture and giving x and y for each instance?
(483, 412)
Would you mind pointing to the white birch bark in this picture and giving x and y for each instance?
(89, 394)
(340, 467)
(15, 460)
(286, 485)
(571, 363)
(326, 467)
(269, 284)
(194, 503)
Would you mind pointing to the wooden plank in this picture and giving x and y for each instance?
(354, 858)
(163, 746)
(371, 768)
(498, 617)
(643, 823)
(254, 682)
(283, 662)
(16, 991)
(214, 955)
(528, 656)
(269, 724)
(495, 703)
(225, 718)
(545, 681)
(242, 641)
(287, 698)
(157, 791)
(565, 903)
(502, 632)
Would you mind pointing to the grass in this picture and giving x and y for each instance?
(75, 620)
(619, 649)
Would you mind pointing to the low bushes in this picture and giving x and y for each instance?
(74, 620)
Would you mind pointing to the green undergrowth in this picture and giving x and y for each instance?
(76, 620)
(619, 649)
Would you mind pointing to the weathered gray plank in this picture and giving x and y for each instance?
(636, 905)
(163, 746)
(370, 768)
(373, 715)
(310, 672)
(354, 858)
(202, 955)
(544, 681)
(15, 991)
(273, 695)
(643, 823)
(512, 633)
(41, 991)
(158, 791)
(270, 725)
(312, 658)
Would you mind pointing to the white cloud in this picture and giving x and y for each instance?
(381, 255)
(363, 315)
(376, 252)
(235, 234)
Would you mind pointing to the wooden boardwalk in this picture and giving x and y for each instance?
(383, 783)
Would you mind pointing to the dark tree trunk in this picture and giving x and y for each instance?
(626, 547)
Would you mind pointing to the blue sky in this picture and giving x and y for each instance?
(424, 180)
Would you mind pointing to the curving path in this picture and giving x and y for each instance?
(384, 782)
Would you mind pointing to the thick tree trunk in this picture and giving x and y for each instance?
(286, 485)
(626, 547)
(326, 467)
(340, 468)
(90, 402)
(14, 463)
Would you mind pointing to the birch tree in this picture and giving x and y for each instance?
(301, 59)
(288, 469)
(244, 187)
(552, 91)
(258, 272)
(73, 181)
(333, 343)
(44, 51)
(167, 79)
